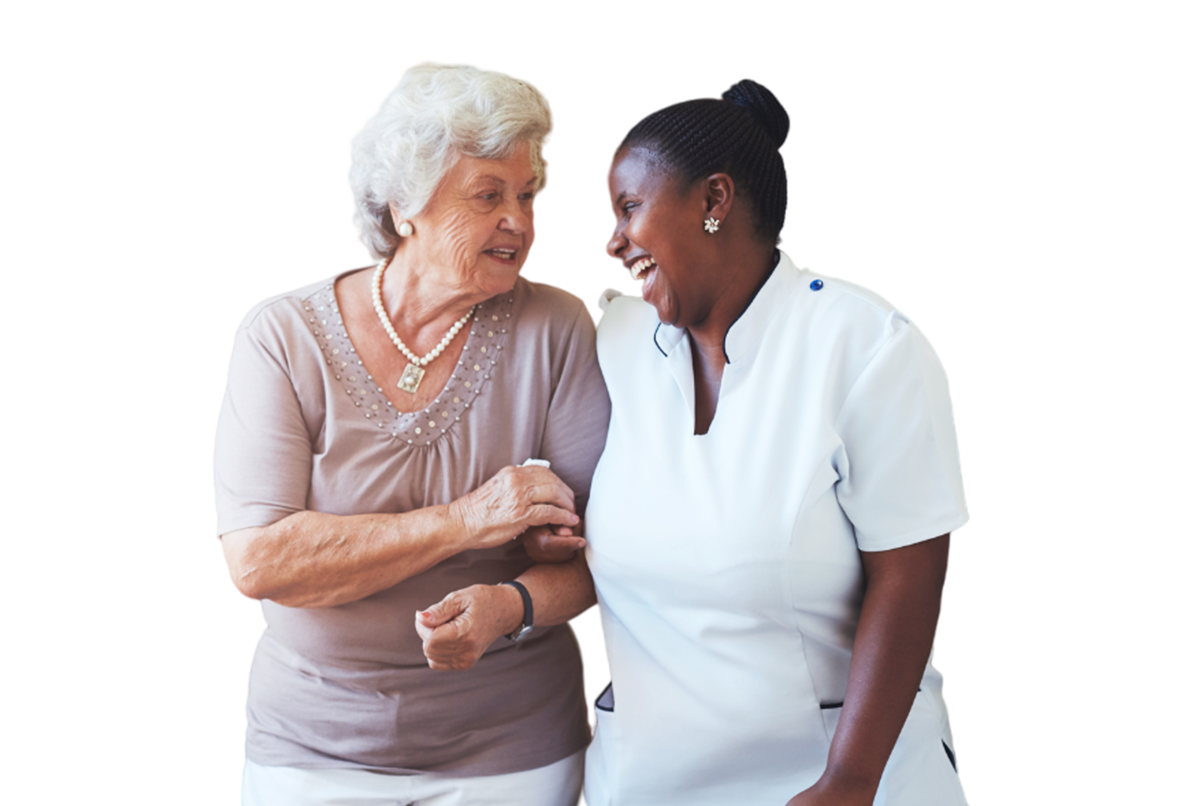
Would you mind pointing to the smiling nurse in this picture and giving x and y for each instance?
(768, 526)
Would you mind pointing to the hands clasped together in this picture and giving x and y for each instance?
(529, 502)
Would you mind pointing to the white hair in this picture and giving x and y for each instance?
(437, 113)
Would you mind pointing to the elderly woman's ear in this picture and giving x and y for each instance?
(399, 224)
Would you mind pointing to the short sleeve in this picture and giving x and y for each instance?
(577, 419)
(899, 473)
(262, 452)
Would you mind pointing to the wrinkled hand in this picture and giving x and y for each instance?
(551, 544)
(512, 501)
(457, 630)
(830, 791)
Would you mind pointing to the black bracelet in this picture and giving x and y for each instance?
(527, 623)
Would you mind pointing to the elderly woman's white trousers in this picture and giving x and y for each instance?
(558, 784)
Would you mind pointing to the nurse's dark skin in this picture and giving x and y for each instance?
(703, 282)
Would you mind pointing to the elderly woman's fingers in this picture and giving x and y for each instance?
(445, 646)
(457, 630)
(557, 494)
(422, 629)
(444, 624)
(450, 637)
(555, 490)
(443, 611)
(537, 485)
(513, 500)
(543, 514)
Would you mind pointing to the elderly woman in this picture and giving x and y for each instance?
(770, 583)
(369, 461)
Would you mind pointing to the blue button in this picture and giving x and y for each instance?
(816, 285)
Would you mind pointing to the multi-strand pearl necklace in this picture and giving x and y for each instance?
(412, 376)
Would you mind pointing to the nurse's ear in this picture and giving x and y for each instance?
(717, 192)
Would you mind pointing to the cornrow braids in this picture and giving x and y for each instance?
(739, 135)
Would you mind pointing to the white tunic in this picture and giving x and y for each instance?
(727, 564)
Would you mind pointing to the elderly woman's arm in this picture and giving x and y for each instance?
(312, 559)
(457, 630)
(891, 649)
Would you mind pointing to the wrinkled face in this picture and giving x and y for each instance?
(658, 224)
(478, 227)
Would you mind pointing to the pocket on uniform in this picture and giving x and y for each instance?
(948, 751)
(603, 754)
(607, 700)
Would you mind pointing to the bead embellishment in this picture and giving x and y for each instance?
(816, 285)
(359, 386)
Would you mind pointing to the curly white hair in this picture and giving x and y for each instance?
(437, 113)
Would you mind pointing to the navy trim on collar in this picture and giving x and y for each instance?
(659, 347)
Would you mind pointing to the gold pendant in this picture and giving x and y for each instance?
(412, 376)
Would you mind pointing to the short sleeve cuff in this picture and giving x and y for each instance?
(911, 537)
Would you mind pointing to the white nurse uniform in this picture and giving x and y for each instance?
(727, 564)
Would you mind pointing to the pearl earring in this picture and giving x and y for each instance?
(712, 225)
(405, 229)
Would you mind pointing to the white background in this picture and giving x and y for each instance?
(106, 197)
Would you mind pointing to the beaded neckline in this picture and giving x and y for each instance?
(477, 365)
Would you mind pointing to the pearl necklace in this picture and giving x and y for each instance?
(412, 376)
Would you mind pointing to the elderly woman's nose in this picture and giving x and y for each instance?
(516, 216)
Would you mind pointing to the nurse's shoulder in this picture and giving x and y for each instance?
(625, 320)
(845, 315)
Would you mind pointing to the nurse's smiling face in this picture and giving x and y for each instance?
(659, 235)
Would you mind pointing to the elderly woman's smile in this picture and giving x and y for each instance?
(477, 230)
(502, 254)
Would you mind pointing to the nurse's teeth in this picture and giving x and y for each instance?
(639, 267)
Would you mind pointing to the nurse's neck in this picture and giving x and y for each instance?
(739, 266)
(731, 293)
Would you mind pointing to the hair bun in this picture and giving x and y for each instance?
(760, 102)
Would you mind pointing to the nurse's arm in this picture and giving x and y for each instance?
(891, 649)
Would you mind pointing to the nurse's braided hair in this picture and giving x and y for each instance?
(740, 136)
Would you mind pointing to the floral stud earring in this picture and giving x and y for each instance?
(712, 225)
(406, 229)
